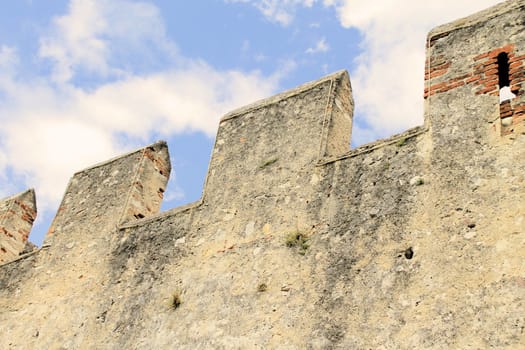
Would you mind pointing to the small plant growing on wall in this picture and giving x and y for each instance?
(263, 287)
(297, 239)
(401, 142)
(175, 300)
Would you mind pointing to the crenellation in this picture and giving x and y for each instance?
(471, 57)
(337, 127)
(112, 193)
(149, 184)
(298, 242)
(17, 215)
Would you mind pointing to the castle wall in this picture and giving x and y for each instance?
(462, 64)
(62, 285)
(416, 241)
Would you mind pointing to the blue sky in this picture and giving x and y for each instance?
(84, 80)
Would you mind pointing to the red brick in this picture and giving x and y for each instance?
(487, 90)
(473, 79)
(440, 66)
(438, 86)
(464, 76)
(488, 63)
(438, 73)
(517, 58)
(452, 86)
(432, 72)
(485, 66)
(492, 84)
(491, 66)
(430, 93)
(488, 80)
(459, 83)
(507, 48)
(483, 55)
(515, 64)
(479, 67)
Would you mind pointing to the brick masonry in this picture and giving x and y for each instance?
(483, 79)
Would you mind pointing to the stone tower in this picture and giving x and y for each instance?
(416, 241)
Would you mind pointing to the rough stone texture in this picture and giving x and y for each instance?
(416, 241)
(60, 288)
(17, 214)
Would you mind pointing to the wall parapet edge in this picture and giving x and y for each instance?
(118, 157)
(26, 255)
(473, 19)
(372, 146)
(282, 96)
(165, 214)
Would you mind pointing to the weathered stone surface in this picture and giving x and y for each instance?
(61, 285)
(416, 241)
(17, 215)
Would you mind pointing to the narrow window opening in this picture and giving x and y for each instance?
(505, 94)
(503, 70)
(504, 78)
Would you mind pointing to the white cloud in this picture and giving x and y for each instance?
(94, 33)
(279, 11)
(56, 147)
(76, 40)
(8, 58)
(4, 188)
(388, 81)
(320, 46)
(50, 129)
(70, 128)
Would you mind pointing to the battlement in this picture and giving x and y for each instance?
(298, 242)
(17, 214)
(480, 58)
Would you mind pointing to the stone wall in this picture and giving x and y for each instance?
(416, 241)
(474, 55)
(17, 215)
